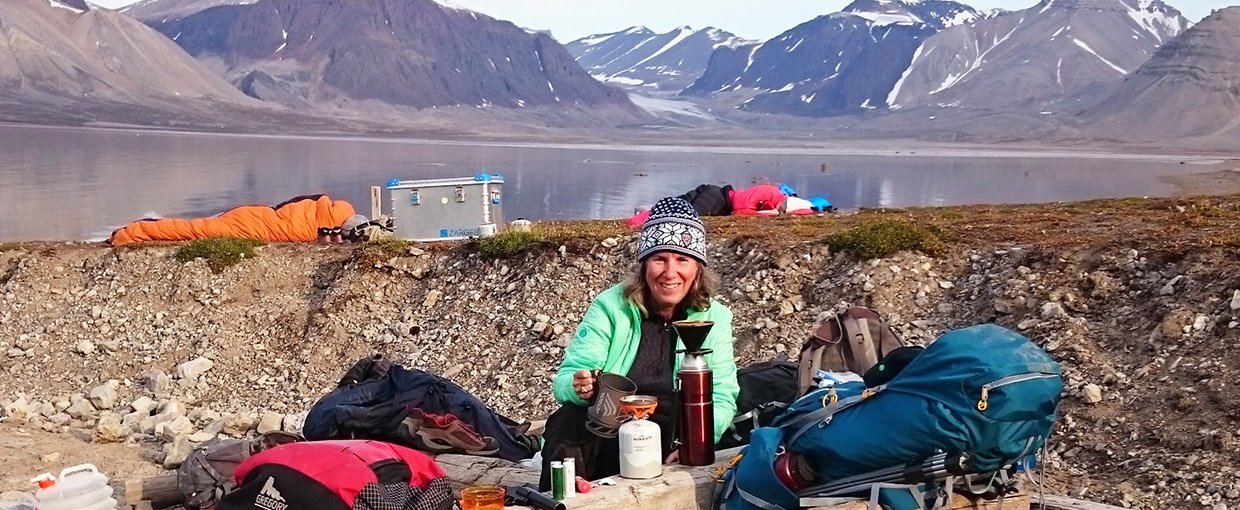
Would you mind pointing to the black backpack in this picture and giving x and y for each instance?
(766, 389)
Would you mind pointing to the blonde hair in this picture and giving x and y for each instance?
(704, 287)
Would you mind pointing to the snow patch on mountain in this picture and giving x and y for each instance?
(59, 5)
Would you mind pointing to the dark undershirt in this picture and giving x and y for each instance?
(652, 371)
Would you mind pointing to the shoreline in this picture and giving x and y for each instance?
(749, 144)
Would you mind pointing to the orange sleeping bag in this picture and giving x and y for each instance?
(298, 219)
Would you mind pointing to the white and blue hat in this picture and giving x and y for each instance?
(673, 225)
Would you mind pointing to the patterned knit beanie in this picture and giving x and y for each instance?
(673, 226)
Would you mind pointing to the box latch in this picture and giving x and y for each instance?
(460, 194)
(415, 197)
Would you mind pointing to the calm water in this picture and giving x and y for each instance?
(71, 183)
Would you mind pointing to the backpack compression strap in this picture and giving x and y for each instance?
(822, 417)
(753, 415)
(812, 352)
(861, 348)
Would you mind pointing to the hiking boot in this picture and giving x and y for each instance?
(447, 434)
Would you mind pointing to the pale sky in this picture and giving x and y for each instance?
(752, 19)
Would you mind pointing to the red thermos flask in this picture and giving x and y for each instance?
(697, 409)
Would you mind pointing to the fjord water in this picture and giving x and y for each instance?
(79, 183)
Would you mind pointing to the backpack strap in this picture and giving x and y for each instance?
(888, 340)
(862, 352)
(821, 417)
(753, 414)
(822, 341)
(756, 501)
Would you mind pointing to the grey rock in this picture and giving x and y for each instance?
(156, 382)
(176, 451)
(293, 422)
(432, 298)
(104, 395)
(270, 422)
(1169, 288)
(1052, 310)
(171, 429)
(1092, 393)
(201, 437)
(143, 405)
(1201, 322)
(193, 369)
(80, 408)
(238, 425)
(108, 429)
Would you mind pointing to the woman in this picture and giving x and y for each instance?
(628, 331)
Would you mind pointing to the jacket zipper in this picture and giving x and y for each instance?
(1011, 379)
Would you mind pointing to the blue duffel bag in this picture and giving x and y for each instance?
(976, 401)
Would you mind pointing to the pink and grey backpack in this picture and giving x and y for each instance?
(339, 475)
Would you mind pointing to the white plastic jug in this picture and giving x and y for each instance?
(80, 487)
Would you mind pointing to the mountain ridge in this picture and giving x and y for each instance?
(305, 53)
(639, 58)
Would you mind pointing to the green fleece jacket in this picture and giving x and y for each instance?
(607, 340)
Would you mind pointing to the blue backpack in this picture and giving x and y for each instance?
(976, 401)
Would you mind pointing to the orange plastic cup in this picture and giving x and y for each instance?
(482, 498)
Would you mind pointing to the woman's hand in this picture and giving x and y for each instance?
(583, 384)
(673, 457)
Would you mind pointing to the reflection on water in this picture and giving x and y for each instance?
(70, 183)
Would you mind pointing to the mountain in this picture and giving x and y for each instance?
(1032, 59)
(637, 57)
(841, 63)
(54, 51)
(1189, 89)
(370, 53)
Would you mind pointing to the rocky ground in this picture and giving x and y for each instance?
(127, 357)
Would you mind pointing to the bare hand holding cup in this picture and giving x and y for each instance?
(583, 384)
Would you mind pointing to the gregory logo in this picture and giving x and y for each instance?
(269, 498)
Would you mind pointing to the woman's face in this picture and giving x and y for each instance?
(670, 275)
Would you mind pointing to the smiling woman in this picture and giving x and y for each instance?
(628, 331)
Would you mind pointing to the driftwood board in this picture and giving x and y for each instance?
(1065, 503)
(680, 487)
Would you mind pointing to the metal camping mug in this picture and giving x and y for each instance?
(603, 418)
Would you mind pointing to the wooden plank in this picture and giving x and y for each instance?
(160, 491)
(467, 470)
(679, 488)
(1065, 503)
(376, 201)
(1018, 501)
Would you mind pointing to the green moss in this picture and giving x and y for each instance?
(10, 247)
(389, 247)
(507, 244)
(219, 252)
(882, 238)
(381, 250)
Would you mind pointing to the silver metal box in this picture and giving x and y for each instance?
(447, 209)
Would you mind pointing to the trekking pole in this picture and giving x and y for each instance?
(889, 474)
(935, 467)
